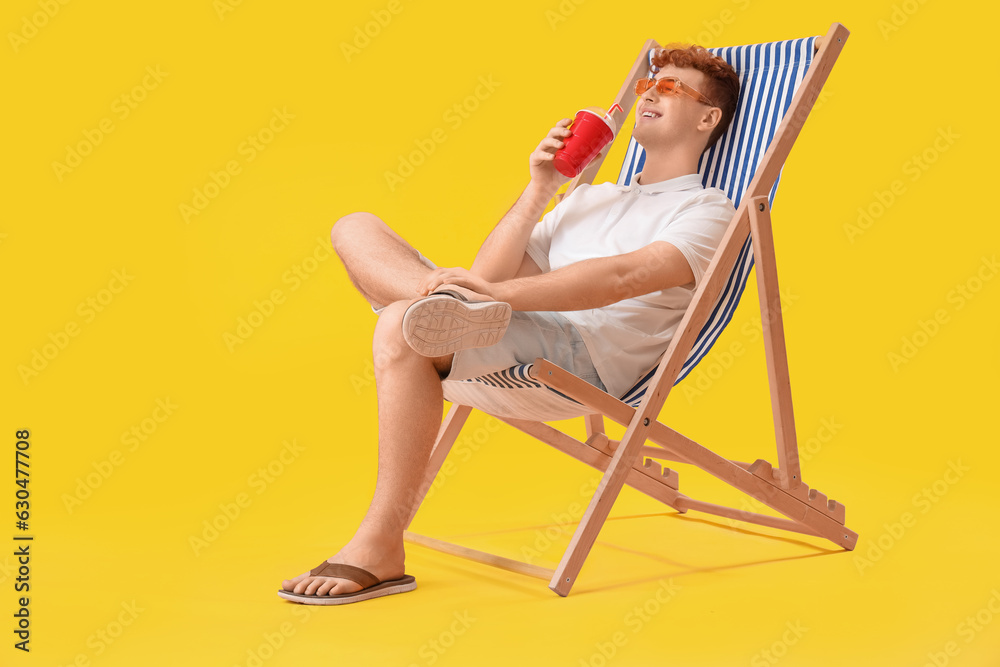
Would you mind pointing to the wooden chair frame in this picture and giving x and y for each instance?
(629, 461)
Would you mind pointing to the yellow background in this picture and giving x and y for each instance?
(876, 433)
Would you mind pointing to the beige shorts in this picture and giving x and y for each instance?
(530, 335)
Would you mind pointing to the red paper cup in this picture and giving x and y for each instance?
(592, 131)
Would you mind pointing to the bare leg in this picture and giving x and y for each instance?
(410, 405)
(381, 264)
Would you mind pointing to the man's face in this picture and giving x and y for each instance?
(665, 120)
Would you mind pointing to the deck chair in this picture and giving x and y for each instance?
(780, 82)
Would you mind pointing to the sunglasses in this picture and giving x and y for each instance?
(669, 85)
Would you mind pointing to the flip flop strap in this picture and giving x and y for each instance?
(342, 571)
(448, 292)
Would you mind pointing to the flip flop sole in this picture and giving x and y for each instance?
(439, 325)
(402, 585)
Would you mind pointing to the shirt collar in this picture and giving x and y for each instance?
(678, 183)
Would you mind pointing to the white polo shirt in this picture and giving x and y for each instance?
(626, 338)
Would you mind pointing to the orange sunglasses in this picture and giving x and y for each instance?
(669, 85)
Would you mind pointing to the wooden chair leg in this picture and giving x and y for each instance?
(450, 428)
(662, 382)
(806, 507)
(595, 424)
(778, 380)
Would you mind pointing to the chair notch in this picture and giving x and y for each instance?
(600, 442)
(666, 475)
(812, 497)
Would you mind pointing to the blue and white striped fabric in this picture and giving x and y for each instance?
(769, 75)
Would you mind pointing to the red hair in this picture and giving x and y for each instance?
(722, 85)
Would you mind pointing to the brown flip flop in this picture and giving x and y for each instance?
(372, 587)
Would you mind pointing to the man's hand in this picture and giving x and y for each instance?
(458, 276)
(543, 173)
(503, 251)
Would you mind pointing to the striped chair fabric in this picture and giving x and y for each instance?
(769, 75)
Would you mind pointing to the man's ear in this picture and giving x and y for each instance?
(710, 119)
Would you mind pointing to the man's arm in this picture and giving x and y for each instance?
(591, 283)
(599, 282)
(502, 255)
(503, 252)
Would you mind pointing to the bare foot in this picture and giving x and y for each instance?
(383, 558)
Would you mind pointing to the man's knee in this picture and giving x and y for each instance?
(351, 226)
(389, 347)
(388, 344)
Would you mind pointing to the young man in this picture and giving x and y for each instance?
(598, 286)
